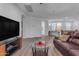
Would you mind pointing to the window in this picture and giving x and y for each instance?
(61, 25)
(54, 26)
(68, 26)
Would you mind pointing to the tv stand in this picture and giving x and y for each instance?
(7, 48)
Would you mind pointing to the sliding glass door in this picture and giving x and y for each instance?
(68, 25)
(62, 25)
(54, 25)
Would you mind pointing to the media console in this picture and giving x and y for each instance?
(9, 46)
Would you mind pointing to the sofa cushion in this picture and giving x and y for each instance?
(74, 52)
(69, 40)
(75, 41)
(76, 35)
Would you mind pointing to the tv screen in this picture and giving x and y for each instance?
(8, 28)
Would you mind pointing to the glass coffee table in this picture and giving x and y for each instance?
(40, 48)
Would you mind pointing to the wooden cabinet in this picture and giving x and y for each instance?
(2, 50)
(3, 47)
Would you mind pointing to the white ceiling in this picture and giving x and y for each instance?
(51, 10)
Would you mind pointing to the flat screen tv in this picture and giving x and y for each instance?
(8, 28)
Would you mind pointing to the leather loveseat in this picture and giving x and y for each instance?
(69, 47)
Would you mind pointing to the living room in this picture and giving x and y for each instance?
(39, 29)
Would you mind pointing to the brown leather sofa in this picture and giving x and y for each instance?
(69, 47)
